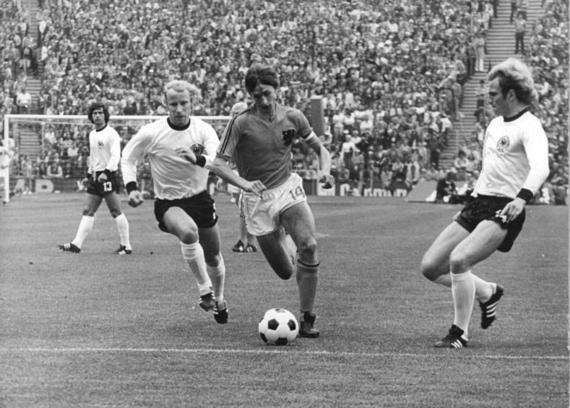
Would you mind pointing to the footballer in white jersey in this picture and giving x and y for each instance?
(179, 149)
(159, 143)
(102, 181)
(515, 156)
(514, 167)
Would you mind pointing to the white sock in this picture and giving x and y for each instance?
(483, 289)
(194, 256)
(463, 291)
(85, 227)
(123, 228)
(218, 277)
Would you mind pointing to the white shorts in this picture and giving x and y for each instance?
(262, 213)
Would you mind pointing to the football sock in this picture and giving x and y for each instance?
(123, 229)
(463, 291)
(307, 278)
(483, 289)
(194, 256)
(218, 277)
(85, 227)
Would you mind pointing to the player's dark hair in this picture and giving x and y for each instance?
(260, 74)
(98, 105)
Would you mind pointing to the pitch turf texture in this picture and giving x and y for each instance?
(102, 330)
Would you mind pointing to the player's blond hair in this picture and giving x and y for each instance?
(178, 85)
(516, 75)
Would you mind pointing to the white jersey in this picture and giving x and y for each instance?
(173, 176)
(515, 156)
(104, 150)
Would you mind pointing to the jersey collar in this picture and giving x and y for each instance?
(178, 127)
(518, 115)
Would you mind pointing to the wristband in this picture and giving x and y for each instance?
(200, 160)
(525, 194)
(131, 186)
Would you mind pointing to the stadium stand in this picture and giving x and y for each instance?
(392, 77)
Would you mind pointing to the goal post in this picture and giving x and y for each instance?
(61, 141)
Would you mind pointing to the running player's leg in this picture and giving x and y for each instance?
(216, 268)
(476, 247)
(298, 220)
(114, 205)
(210, 241)
(278, 252)
(180, 224)
(90, 207)
(435, 262)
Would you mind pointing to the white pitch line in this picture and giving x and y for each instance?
(282, 350)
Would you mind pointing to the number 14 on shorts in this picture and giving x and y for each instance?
(297, 193)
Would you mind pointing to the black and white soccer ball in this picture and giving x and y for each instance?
(278, 327)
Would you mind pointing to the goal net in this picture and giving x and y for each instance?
(48, 153)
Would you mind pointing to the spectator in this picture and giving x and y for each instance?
(347, 151)
(460, 164)
(520, 30)
(514, 4)
(54, 169)
(28, 174)
(480, 46)
(23, 101)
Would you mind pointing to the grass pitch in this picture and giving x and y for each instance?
(101, 330)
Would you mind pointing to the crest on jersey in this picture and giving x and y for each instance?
(100, 144)
(288, 136)
(197, 148)
(503, 144)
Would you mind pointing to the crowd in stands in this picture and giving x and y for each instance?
(391, 73)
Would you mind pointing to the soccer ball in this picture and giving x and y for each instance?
(278, 327)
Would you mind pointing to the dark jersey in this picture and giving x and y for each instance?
(261, 149)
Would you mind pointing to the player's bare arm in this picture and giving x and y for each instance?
(324, 159)
(221, 168)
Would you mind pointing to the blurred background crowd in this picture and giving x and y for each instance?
(391, 75)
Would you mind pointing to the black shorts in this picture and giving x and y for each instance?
(112, 185)
(486, 208)
(200, 208)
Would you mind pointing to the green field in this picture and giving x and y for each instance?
(101, 330)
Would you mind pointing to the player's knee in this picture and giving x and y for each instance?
(115, 212)
(307, 248)
(212, 258)
(188, 236)
(88, 212)
(457, 262)
(429, 268)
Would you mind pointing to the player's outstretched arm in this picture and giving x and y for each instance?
(222, 169)
(324, 160)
